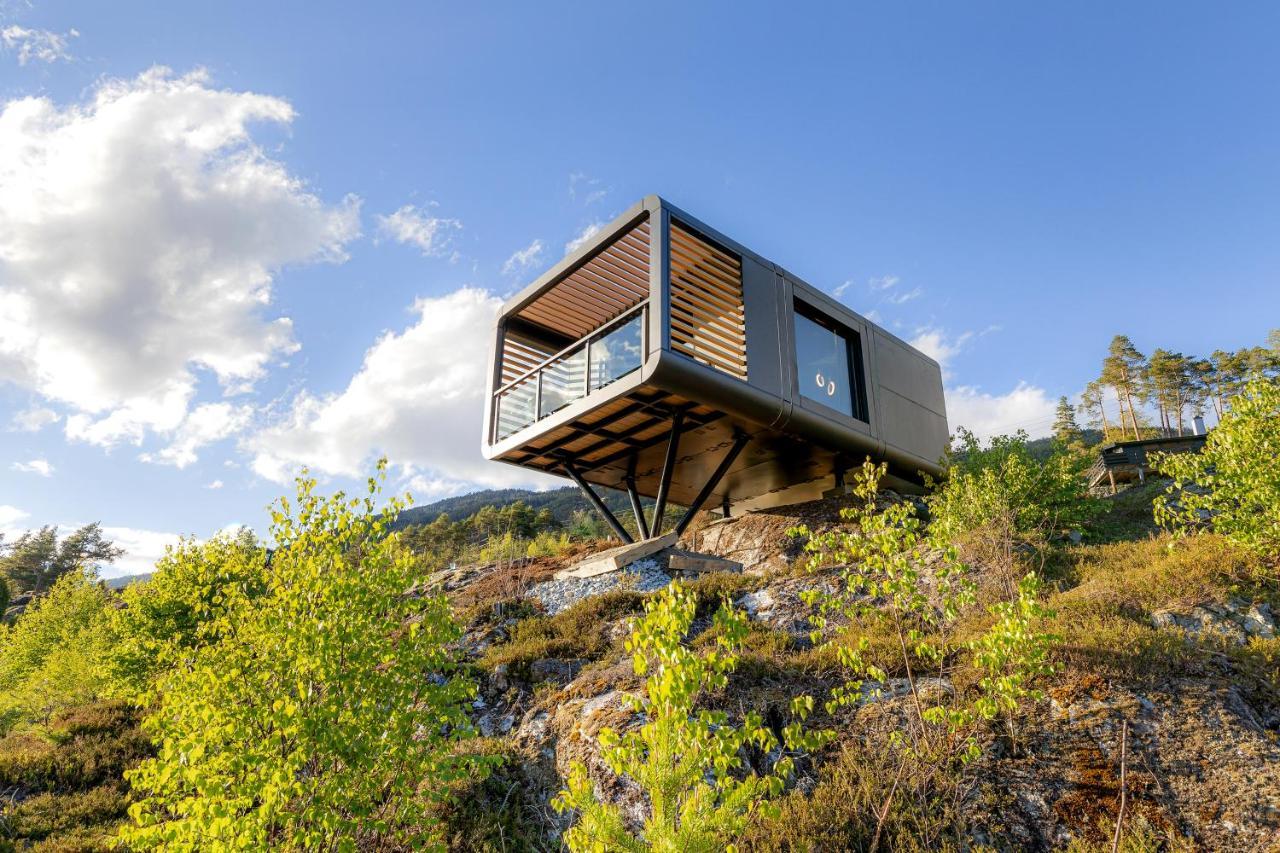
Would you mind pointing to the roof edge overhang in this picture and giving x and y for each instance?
(594, 246)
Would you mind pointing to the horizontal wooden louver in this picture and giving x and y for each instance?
(608, 285)
(708, 322)
(520, 355)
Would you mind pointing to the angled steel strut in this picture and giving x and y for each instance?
(740, 440)
(641, 524)
(609, 517)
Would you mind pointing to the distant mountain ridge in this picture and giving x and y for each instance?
(562, 502)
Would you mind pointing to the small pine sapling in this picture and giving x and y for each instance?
(689, 764)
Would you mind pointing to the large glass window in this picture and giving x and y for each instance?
(829, 363)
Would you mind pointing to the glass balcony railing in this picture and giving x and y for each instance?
(588, 365)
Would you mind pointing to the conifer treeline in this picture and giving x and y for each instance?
(1171, 385)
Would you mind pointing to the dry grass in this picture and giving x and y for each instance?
(68, 774)
(578, 633)
(1140, 576)
(843, 810)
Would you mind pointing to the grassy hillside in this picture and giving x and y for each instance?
(1026, 667)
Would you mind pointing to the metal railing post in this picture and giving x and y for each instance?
(537, 398)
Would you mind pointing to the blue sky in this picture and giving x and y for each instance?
(281, 250)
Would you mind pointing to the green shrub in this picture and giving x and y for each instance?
(492, 813)
(548, 544)
(1136, 578)
(166, 618)
(330, 708)
(843, 810)
(886, 567)
(714, 587)
(1001, 504)
(77, 821)
(1233, 484)
(689, 765)
(1013, 654)
(52, 656)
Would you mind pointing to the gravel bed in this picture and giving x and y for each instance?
(640, 576)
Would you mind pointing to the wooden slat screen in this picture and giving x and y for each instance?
(520, 354)
(605, 287)
(708, 321)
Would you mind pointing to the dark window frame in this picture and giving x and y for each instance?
(853, 352)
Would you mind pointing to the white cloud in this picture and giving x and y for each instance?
(904, 296)
(413, 225)
(524, 258)
(140, 233)
(216, 484)
(583, 236)
(418, 398)
(35, 466)
(206, 424)
(884, 282)
(940, 345)
(840, 289)
(1025, 407)
(34, 419)
(40, 45)
(9, 516)
(142, 548)
(586, 189)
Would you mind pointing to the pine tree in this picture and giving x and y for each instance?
(1172, 386)
(1065, 428)
(1223, 378)
(36, 558)
(1094, 408)
(1125, 369)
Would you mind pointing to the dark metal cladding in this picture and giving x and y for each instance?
(665, 359)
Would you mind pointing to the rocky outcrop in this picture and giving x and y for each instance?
(1236, 620)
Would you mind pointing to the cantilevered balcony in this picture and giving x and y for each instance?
(588, 365)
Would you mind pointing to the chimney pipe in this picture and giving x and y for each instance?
(1197, 425)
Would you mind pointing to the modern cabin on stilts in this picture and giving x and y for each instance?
(664, 359)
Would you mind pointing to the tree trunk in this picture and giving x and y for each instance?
(1133, 414)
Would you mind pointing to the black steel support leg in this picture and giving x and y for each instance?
(739, 441)
(668, 468)
(642, 525)
(608, 516)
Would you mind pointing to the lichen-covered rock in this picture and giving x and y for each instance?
(1235, 621)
